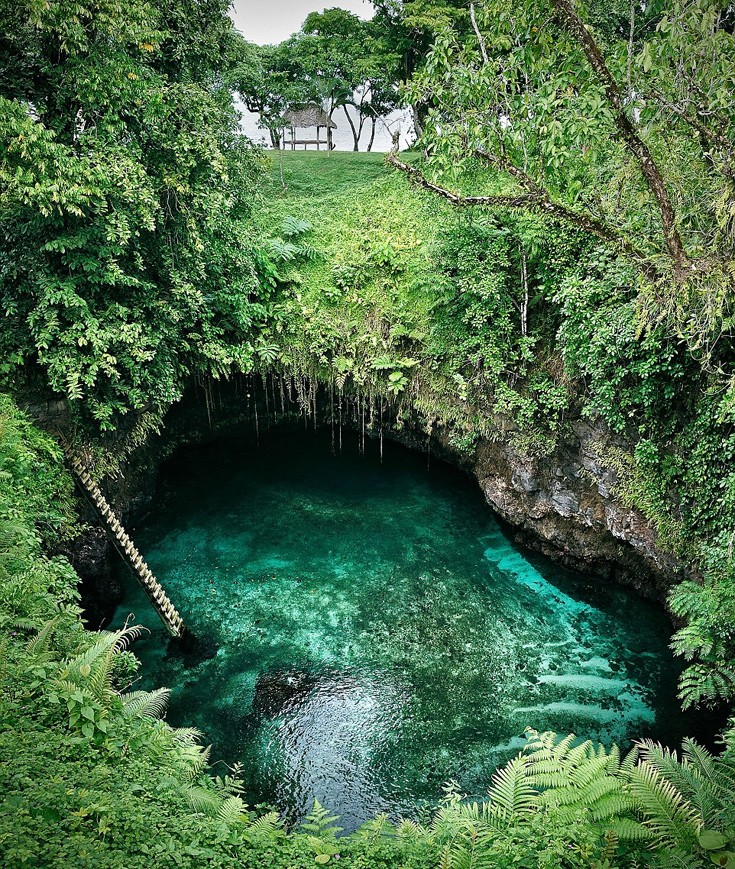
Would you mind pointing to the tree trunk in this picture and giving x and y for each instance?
(372, 133)
(626, 130)
(524, 303)
(355, 137)
(361, 124)
(330, 144)
(417, 122)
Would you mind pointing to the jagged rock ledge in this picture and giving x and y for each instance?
(566, 505)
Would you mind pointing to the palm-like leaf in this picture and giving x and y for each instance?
(512, 792)
(665, 810)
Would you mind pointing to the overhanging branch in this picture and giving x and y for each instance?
(535, 201)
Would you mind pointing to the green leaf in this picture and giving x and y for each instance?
(711, 840)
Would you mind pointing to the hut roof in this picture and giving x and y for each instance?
(309, 116)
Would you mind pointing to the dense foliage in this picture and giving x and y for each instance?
(124, 194)
(336, 60)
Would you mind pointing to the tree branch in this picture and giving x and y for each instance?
(535, 201)
(523, 178)
(637, 147)
(480, 37)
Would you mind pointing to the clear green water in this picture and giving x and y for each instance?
(375, 633)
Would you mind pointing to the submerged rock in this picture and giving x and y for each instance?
(277, 690)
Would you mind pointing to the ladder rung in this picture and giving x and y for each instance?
(167, 612)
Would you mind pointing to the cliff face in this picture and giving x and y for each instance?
(92, 556)
(565, 506)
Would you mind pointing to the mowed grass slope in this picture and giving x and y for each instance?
(318, 174)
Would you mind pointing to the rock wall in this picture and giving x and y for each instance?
(565, 506)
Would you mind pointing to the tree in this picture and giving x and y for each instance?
(262, 76)
(629, 141)
(377, 96)
(337, 60)
(330, 51)
(409, 29)
(123, 188)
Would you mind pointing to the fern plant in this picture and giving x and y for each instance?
(321, 833)
(584, 778)
(84, 682)
(689, 802)
(292, 227)
(706, 641)
(290, 246)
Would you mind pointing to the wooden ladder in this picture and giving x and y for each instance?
(166, 611)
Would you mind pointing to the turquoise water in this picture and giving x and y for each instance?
(373, 632)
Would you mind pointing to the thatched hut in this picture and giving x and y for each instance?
(306, 119)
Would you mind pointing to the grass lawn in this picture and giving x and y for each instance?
(318, 174)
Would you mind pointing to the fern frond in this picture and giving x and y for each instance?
(666, 812)
(295, 226)
(675, 858)
(512, 793)
(39, 645)
(629, 761)
(707, 684)
(628, 830)
(563, 746)
(319, 822)
(699, 757)
(146, 703)
(268, 826)
(585, 751)
(583, 796)
(282, 251)
(613, 805)
(410, 833)
(375, 829)
(105, 642)
(204, 801)
(230, 810)
(198, 759)
(93, 667)
(186, 735)
(589, 770)
(613, 758)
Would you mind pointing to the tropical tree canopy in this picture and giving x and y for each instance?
(628, 138)
(123, 192)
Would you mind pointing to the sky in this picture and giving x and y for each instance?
(271, 21)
